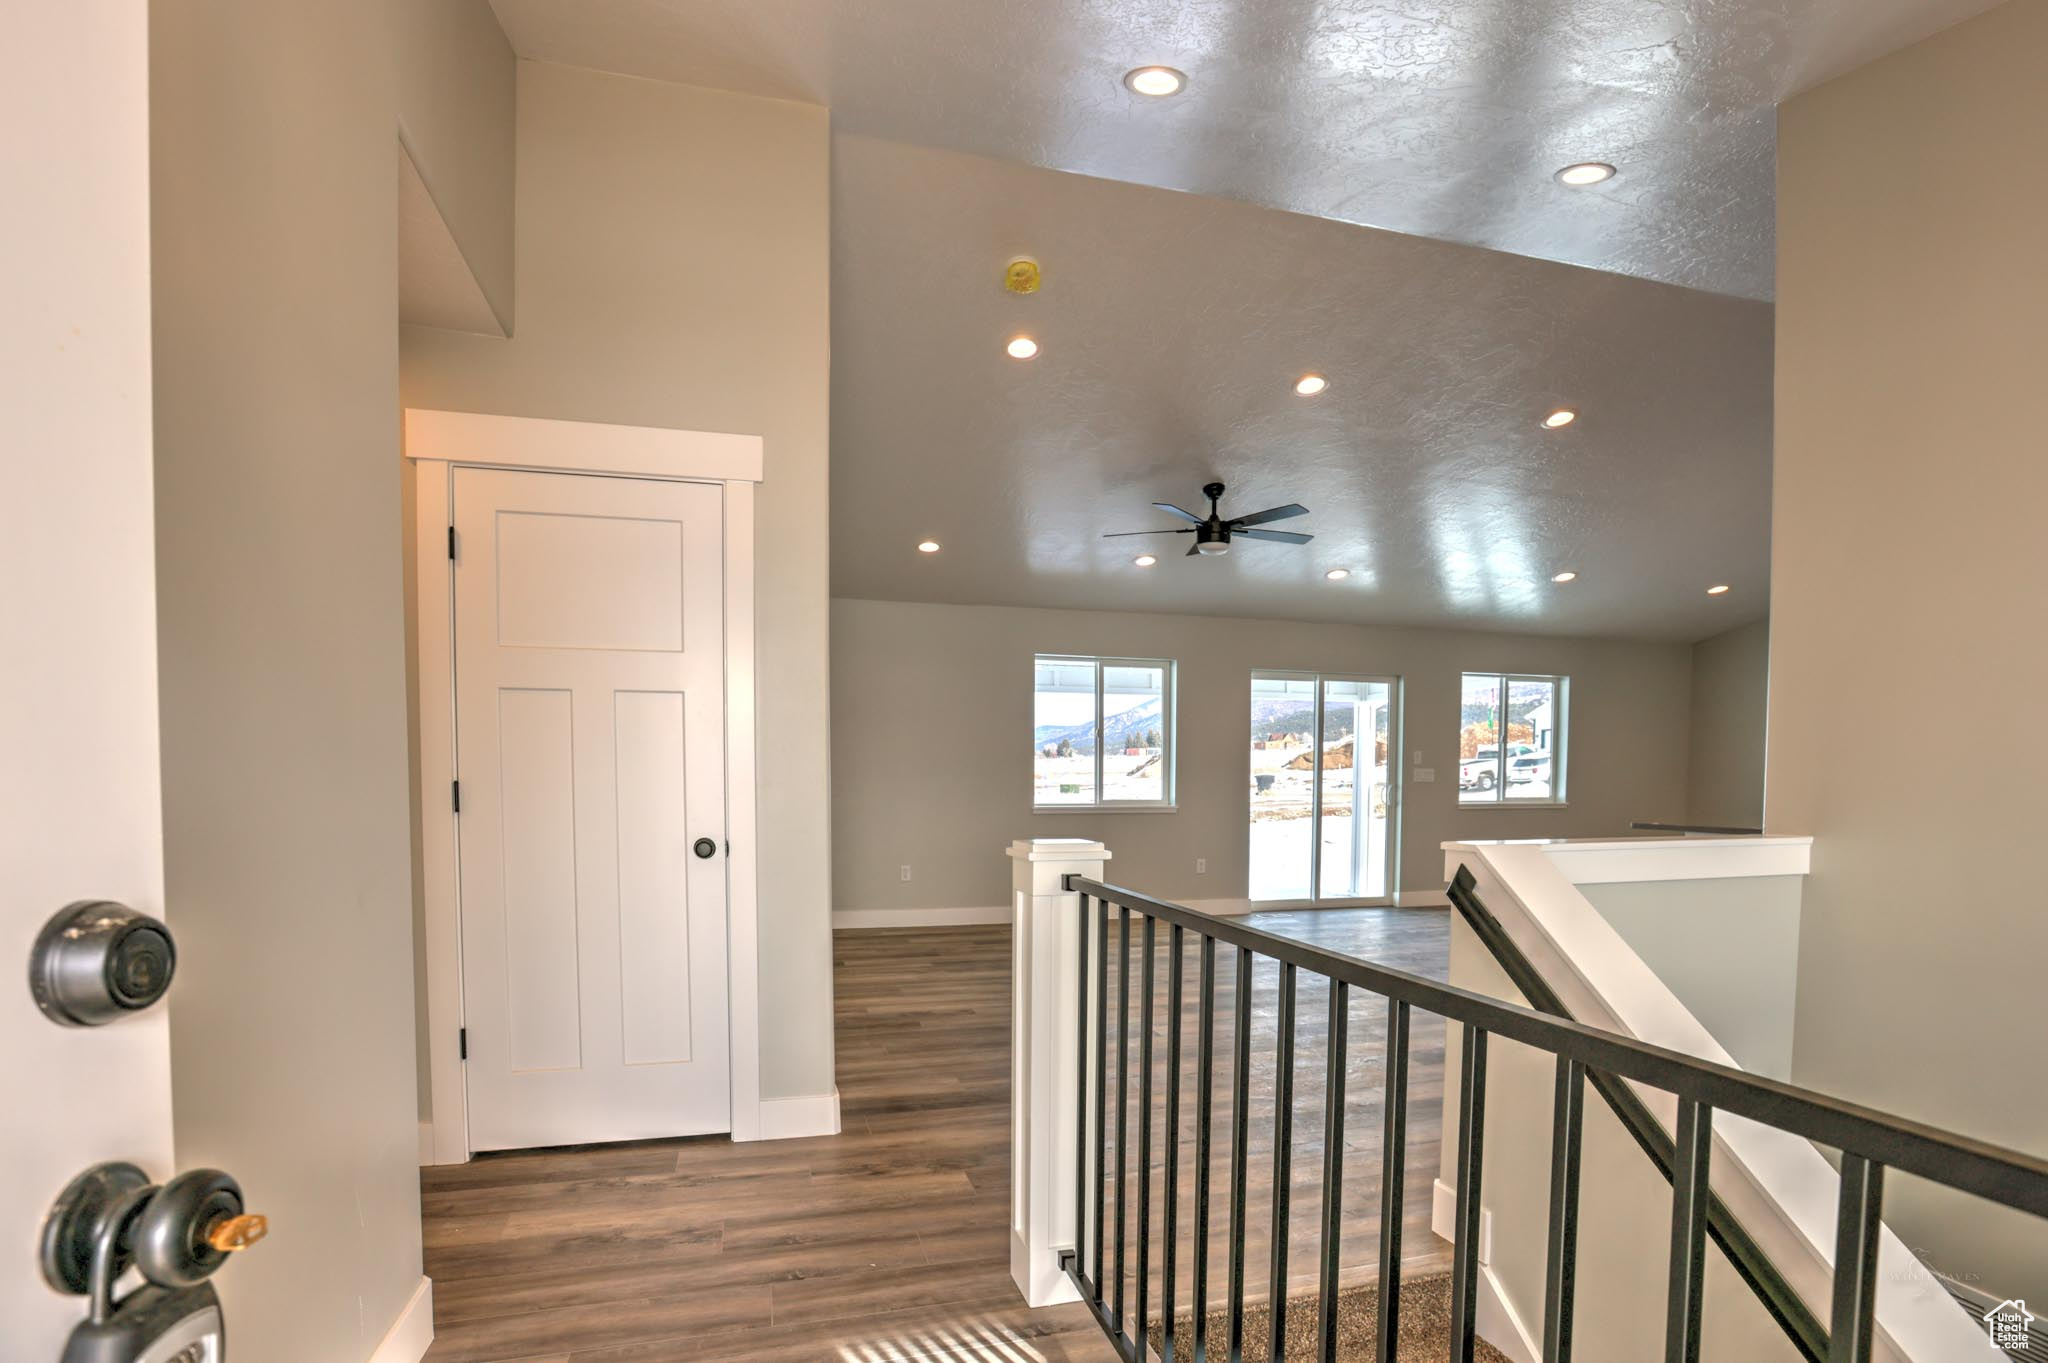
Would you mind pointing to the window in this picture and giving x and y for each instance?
(1101, 733)
(1511, 739)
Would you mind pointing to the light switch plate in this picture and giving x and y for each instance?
(1425, 775)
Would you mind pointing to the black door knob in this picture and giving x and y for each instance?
(704, 847)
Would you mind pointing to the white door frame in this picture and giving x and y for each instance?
(1395, 788)
(439, 442)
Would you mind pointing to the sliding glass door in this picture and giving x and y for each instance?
(1322, 792)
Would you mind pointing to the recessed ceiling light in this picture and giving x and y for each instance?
(1563, 416)
(1582, 173)
(1566, 576)
(1021, 347)
(1337, 574)
(927, 546)
(1155, 81)
(1719, 589)
(1308, 385)
(1144, 560)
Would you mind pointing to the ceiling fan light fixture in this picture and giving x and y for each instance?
(1155, 82)
(1212, 548)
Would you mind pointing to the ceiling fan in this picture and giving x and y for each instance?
(1212, 532)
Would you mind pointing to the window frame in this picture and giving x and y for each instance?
(1169, 745)
(1559, 796)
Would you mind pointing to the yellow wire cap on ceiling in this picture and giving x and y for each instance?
(1021, 275)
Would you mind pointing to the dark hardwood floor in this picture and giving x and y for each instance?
(889, 1242)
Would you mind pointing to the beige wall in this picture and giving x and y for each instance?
(1909, 566)
(1730, 676)
(903, 673)
(457, 82)
(672, 270)
(283, 702)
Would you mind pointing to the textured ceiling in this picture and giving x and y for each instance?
(1439, 118)
(1173, 328)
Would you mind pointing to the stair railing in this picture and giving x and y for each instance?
(1870, 1141)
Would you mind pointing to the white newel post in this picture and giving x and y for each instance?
(1045, 977)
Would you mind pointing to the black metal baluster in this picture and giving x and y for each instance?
(1393, 1178)
(1081, 1095)
(1857, 1227)
(1205, 1104)
(1123, 1095)
(1283, 1158)
(1471, 1153)
(1144, 1281)
(1169, 1231)
(1101, 1077)
(1690, 1175)
(1240, 1131)
(1568, 1112)
(1333, 1166)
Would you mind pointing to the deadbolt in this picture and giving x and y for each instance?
(96, 960)
(704, 847)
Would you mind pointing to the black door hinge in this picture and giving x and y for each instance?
(455, 795)
(451, 544)
(462, 1043)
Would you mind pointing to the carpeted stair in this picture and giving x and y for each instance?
(1425, 1326)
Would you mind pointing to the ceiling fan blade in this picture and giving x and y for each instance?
(1193, 549)
(1281, 536)
(1272, 513)
(1170, 509)
(1120, 534)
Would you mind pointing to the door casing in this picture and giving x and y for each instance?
(436, 443)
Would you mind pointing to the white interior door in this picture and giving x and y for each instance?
(79, 797)
(589, 714)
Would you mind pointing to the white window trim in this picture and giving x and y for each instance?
(1167, 712)
(1560, 761)
(436, 443)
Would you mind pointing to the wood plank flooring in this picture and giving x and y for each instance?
(889, 1243)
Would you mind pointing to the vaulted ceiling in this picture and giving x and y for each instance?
(1440, 118)
(1174, 324)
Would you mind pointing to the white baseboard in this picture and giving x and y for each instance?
(918, 918)
(815, 1114)
(1421, 899)
(1222, 908)
(407, 1339)
(1495, 1317)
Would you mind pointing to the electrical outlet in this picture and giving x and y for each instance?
(1201, 866)
(1425, 775)
(903, 872)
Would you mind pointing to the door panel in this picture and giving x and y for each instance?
(80, 815)
(536, 778)
(654, 941)
(590, 751)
